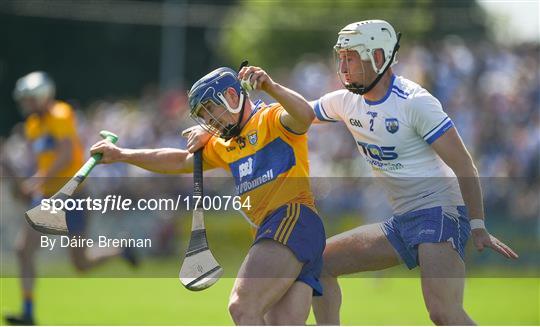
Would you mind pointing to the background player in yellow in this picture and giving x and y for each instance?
(51, 131)
(265, 149)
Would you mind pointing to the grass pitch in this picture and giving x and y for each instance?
(163, 301)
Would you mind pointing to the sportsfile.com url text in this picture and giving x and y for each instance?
(114, 202)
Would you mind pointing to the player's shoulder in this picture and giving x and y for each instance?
(263, 108)
(339, 95)
(61, 110)
(407, 88)
(263, 111)
(412, 94)
(338, 102)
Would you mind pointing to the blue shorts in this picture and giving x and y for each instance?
(432, 225)
(300, 229)
(75, 219)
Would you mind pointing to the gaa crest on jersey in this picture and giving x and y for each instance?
(392, 125)
(252, 137)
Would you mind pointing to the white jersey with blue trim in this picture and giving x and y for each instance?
(394, 136)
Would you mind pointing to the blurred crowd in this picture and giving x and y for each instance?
(492, 93)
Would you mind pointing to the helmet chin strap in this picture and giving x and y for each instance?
(360, 89)
(233, 130)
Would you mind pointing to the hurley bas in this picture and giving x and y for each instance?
(102, 242)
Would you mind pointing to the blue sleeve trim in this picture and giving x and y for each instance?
(434, 128)
(440, 132)
(320, 113)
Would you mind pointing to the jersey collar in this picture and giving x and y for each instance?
(258, 104)
(372, 103)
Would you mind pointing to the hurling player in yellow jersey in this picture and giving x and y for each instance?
(51, 131)
(265, 149)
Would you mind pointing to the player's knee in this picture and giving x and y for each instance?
(244, 312)
(81, 267)
(327, 273)
(24, 253)
(81, 264)
(437, 317)
(20, 253)
(442, 315)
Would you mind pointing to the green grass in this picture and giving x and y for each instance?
(163, 301)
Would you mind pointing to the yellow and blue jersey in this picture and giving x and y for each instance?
(44, 131)
(268, 162)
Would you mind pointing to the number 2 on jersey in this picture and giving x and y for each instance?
(371, 125)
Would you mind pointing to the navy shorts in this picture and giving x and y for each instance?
(300, 229)
(75, 219)
(432, 225)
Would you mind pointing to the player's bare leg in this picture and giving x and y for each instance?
(443, 281)
(268, 272)
(26, 245)
(364, 248)
(292, 308)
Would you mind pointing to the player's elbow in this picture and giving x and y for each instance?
(308, 116)
(465, 168)
(462, 165)
(474, 170)
(174, 161)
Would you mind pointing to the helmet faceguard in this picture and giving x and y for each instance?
(208, 94)
(365, 37)
(217, 120)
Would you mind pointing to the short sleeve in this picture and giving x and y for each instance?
(212, 159)
(328, 106)
(62, 124)
(428, 118)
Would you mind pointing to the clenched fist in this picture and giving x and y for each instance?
(111, 153)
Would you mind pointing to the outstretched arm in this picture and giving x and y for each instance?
(452, 151)
(298, 116)
(165, 161)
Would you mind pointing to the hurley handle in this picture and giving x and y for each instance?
(198, 175)
(91, 163)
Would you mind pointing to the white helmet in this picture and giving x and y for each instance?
(367, 36)
(36, 85)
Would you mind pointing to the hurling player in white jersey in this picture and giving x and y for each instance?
(416, 153)
(418, 156)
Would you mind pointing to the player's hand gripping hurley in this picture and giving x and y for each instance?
(200, 269)
(55, 223)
